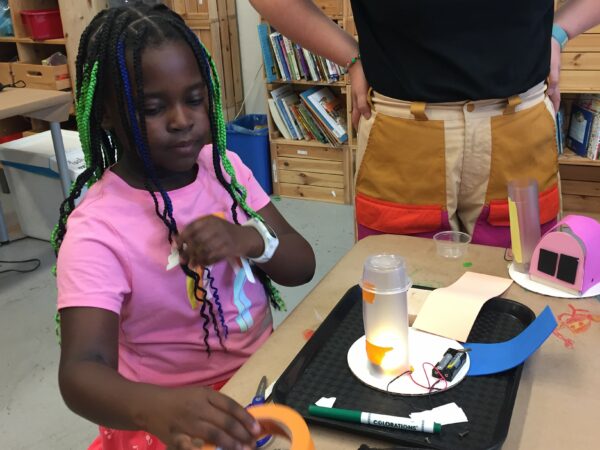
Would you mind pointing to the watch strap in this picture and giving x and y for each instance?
(560, 35)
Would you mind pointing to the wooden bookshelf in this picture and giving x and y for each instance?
(215, 23)
(580, 73)
(309, 169)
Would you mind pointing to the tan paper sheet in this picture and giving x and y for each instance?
(451, 311)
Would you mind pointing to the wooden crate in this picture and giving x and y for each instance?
(580, 63)
(580, 183)
(332, 8)
(5, 73)
(310, 171)
(37, 76)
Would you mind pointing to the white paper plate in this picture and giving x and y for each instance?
(423, 347)
(523, 280)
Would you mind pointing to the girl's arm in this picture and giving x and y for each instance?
(92, 387)
(294, 261)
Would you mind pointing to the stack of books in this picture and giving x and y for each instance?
(584, 128)
(314, 114)
(288, 61)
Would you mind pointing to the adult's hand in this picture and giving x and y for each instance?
(360, 91)
(553, 87)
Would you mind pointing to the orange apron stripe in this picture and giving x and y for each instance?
(394, 218)
(549, 206)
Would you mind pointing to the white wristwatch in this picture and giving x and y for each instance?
(269, 238)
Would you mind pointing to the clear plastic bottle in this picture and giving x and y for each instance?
(385, 285)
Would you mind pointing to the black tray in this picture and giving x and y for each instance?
(320, 370)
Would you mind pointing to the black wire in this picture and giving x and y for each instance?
(24, 261)
(14, 240)
(394, 379)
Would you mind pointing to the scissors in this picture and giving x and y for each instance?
(259, 399)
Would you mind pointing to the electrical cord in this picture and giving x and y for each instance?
(23, 261)
(16, 84)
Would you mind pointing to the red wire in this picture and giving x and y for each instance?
(429, 387)
(442, 377)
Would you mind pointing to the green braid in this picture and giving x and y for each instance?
(85, 100)
(83, 108)
(221, 143)
(239, 191)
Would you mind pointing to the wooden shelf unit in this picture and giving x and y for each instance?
(215, 23)
(310, 169)
(580, 73)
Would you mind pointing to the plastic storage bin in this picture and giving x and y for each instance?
(248, 136)
(32, 174)
(42, 24)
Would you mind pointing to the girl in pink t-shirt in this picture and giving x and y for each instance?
(164, 269)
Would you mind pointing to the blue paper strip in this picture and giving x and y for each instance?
(493, 358)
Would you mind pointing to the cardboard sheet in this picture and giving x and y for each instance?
(493, 358)
(451, 311)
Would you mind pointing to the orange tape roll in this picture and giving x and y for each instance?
(283, 421)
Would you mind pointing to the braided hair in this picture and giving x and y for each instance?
(112, 36)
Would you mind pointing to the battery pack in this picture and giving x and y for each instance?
(450, 364)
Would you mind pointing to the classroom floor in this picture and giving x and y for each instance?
(32, 413)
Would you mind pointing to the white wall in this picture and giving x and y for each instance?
(254, 86)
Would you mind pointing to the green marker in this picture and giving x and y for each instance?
(378, 420)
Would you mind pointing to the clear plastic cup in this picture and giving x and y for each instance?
(385, 284)
(451, 244)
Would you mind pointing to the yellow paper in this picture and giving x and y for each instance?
(451, 311)
(515, 232)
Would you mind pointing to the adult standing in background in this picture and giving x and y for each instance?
(463, 100)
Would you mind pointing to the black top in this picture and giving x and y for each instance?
(451, 50)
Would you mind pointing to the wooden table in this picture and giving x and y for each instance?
(51, 106)
(558, 399)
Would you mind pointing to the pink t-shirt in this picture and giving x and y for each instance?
(114, 257)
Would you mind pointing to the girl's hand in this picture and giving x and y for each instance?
(186, 418)
(210, 239)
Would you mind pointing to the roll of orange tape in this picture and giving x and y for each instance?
(283, 421)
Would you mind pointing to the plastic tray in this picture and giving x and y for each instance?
(320, 370)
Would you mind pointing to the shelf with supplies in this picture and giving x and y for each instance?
(309, 116)
(579, 165)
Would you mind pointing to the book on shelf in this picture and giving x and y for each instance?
(279, 123)
(267, 51)
(584, 130)
(292, 62)
(278, 95)
(315, 114)
(328, 109)
(591, 102)
(283, 74)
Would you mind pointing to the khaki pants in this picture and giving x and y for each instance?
(424, 168)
